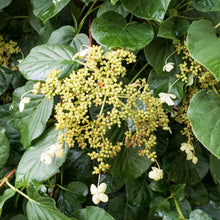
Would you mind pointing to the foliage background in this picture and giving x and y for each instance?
(49, 33)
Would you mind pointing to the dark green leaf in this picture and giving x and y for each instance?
(42, 59)
(171, 216)
(206, 5)
(129, 164)
(5, 78)
(47, 9)
(159, 206)
(148, 9)
(137, 193)
(185, 207)
(32, 120)
(4, 3)
(199, 215)
(18, 217)
(202, 40)
(214, 167)
(173, 28)
(178, 191)
(8, 193)
(92, 213)
(203, 113)
(42, 208)
(107, 6)
(156, 54)
(79, 41)
(4, 147)
(31, 168)
(119, 33)
(121, 210)
(63, 35)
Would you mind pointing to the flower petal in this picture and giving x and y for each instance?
(21, 106)
(96, 199)
(93, 189)
(102, 188)
(103, 197)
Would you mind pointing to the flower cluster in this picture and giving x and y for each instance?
(156, 174)
(93, 99)
(54, 150)
(190, 152)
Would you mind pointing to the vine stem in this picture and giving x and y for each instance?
(90, 32)
(51, 193)
(136, 76)
(18, 191)
(173, 84)
(216, 26)
(7, 177)
(178, 208)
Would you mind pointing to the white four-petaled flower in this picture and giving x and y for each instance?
(168, 67)
(156, 173)
(167, 98)
(23, 101)
(99, 193)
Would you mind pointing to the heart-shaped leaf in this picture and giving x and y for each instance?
(148, 9)
(5, 78)
(4, 3)
(204, 116)
(206, 5)
(47, 9)
(42, 59)
(4, 147)
(31, 168)
(32, 120)
(204, 45)
(8, 193)
(119, 33)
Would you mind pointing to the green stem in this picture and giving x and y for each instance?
(189, 9)
(216, 26)
(18, 191)
(103, 105)
(84, 18)
(178, 208)
(20, 17)
(136, 76)
(215, 90)
(170, 56)
(183, 5)
(173, 84)
(130, 20)
(180, 16)
(177, 6)
(61, 176)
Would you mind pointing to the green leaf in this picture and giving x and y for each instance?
(159, 206)
(147, 9)
(32, 120)
(63, 35)
(118, 8)
(4, 148)
(92, 213)
(163, 84)
(119, 33)
(173, 28)
(129, 164)
(31, 168)
(214, 167)
(47, 9)
(8, 193)
(79, 41)
(170, 216)
(137, 193)
(206, 5)
(203, 113)
(120, 210)
(199, 215)
(5, 78)
(156, 54)
(202, 40)
(178, 191)
(18, 217)
(42, 208)
(42, 59)
(185, 207)
(4, 3)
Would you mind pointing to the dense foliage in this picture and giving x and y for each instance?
(109, 109)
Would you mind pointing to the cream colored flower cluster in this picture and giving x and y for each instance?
(190, 152)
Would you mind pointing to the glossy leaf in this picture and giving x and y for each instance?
(47, 9)
(5, 78)
(44, 58)
(32, 120)
(63, 35)
(173, 28)
(147, 9)
(206, 5)
(8, 193)
(203, 113)
(199, 215)
(202, 40)
(80, 41)
(159, 206)
(178, 191)
(119, 33)
(156, 54)
(31, 168)
(42, 207)
(4, 3)
(214, 167)
(107, 6)
(92, 213)
(4, 147)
